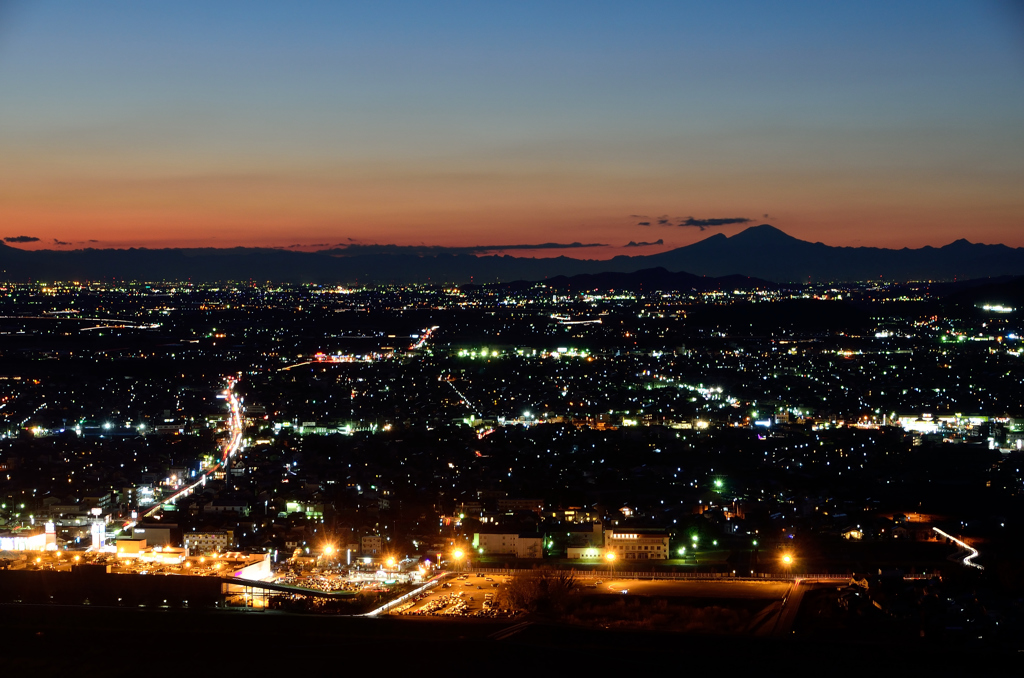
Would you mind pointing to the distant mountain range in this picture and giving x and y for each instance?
(761, 252)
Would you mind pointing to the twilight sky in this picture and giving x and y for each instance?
(892, 123)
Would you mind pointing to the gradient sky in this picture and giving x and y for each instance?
(275, 123)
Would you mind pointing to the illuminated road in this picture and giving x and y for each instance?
(230, 447)
(789, 609)
(972, 552)
(464, 399)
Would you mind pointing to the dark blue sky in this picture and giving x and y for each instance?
(195, 123)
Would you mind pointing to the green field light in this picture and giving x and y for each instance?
(718, 483)
(682, 550)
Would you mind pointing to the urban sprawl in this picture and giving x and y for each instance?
(505, 450)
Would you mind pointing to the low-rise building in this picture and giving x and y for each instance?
(155, 535)
(239, 506)
(37, 539)
(521, 545)
(637, 543)
(515, 505)
(584, 553)
(371, 545)
(209, 542)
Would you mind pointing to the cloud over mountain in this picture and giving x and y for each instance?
(690, 222)
(705, 223)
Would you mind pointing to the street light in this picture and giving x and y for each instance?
(457, 555)
(610, 557)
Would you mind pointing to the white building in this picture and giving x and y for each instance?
(584, 553)
(520, 545)
(637, 544)
(198, 543)
(30, 540)
(155, 535)
(371, 545)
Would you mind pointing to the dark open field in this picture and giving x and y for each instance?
(50, 640)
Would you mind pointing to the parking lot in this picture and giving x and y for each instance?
(467, 595)
(477, 595)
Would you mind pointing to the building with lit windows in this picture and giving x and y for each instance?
(637, 543)
(38, 539)
(371, 545)
(209, 542)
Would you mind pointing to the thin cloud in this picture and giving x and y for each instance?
(659, 241)
(60, 242)
(21, 238)
(707, 223)
(689, 222)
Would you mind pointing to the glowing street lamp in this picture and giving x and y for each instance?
(610, 557)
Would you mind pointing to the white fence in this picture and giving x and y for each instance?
(703, 576)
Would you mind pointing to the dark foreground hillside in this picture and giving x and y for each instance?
(79, 641)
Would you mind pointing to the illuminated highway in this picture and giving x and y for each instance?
(462, 396)
(231, 446)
